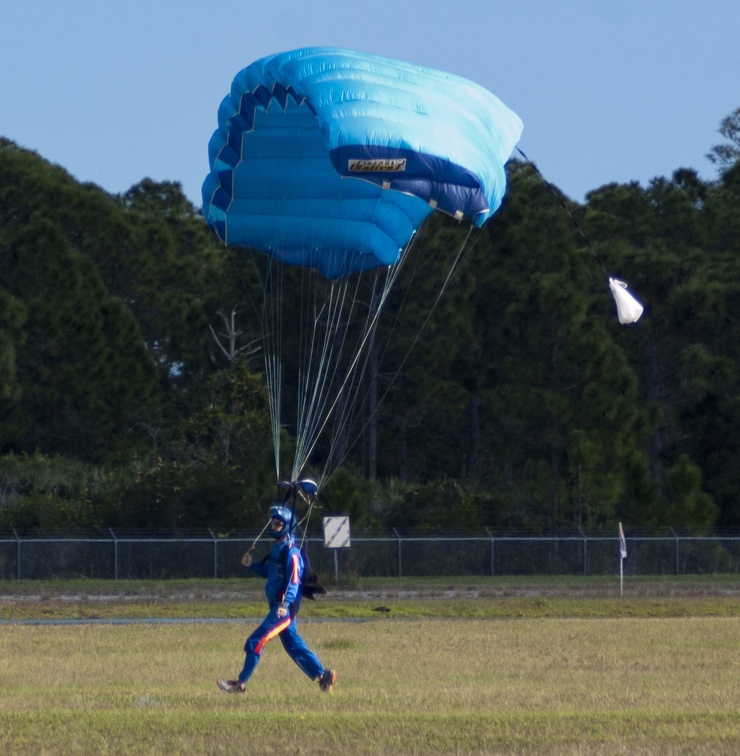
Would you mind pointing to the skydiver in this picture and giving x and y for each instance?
(284, 569)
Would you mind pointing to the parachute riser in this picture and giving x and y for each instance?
(304, 490)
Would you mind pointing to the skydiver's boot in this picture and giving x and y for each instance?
(231, 686)
(327, 680)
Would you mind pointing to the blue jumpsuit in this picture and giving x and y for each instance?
(284, 555)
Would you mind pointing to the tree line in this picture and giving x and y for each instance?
(131, 388)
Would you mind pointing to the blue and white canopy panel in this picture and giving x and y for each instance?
(331, 159)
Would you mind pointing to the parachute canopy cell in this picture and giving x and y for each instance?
(331, 159)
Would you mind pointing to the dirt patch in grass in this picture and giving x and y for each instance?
(407, 589)
(408, 598)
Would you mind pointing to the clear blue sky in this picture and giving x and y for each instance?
(609, 90)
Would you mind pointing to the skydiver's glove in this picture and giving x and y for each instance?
(282, 611)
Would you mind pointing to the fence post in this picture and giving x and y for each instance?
(400, 571)
(115, 553)
(215, 554)
(585, 552)
(18, 552)
(490, 535)
(675, 535)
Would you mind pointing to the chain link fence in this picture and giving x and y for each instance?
(140, 556)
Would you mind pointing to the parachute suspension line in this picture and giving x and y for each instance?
(461, 253)
(368, 330)
(341, 410)
(560, 200)
(335, 333)
(316, 376)
(379, 297)
(271, 321)
(465, 247)
(271, 330)
(304, 372)
(306, 518)
(320, 347)
(343, 416)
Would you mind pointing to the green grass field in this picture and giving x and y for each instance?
(456, 666)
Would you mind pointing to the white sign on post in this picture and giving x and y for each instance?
(336, 532)
(336, 536)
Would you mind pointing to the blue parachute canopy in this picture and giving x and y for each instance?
(331, 159)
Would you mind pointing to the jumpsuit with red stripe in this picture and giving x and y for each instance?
(288, 594)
